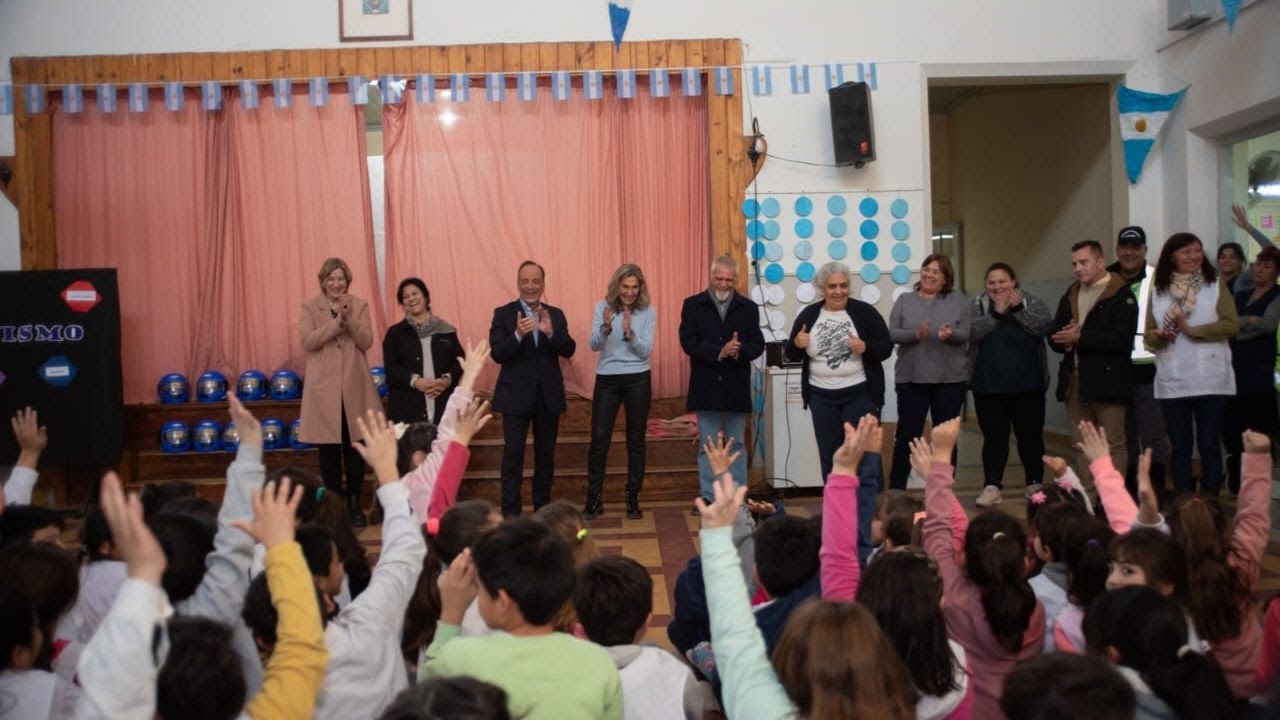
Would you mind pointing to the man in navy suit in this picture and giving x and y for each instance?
(528, 338)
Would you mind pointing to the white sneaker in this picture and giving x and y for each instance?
(989, 496)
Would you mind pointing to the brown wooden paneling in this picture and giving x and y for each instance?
(33, 176)
(512, 58)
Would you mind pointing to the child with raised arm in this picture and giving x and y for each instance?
(32, 438)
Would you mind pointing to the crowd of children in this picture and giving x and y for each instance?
(267, 607)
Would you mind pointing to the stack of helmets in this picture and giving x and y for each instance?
(211, 387)
(173, 388)
(175, 437)
(207, 436)
(274, 434)
(230, 437)
(285, 385)
(251, 386)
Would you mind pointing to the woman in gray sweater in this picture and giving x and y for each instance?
(930, 327)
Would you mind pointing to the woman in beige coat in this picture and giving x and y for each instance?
(336, 331)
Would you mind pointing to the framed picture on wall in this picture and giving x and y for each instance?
(364, 20)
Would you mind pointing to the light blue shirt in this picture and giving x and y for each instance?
(529, 313)
(617, 355)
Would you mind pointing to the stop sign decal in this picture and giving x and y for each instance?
(81, 296)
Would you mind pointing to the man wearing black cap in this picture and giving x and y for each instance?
(1144, 421)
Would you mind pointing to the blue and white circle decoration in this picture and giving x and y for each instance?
(804, 272)
(804, 206)
(837, 249)
(869, 251)
(771, 207)
(773, 251)
(836, 227)
(207, 436)
(755, 229)
(772, 230)
(836, 205)
(750, 208)
(869, 294)
(803, 250)
(804, 228)
(757, 250)
(900, 230)
(868, 207)
(869, 229)
(274, 434)
(773, 273)
(898, 208)
(901, 274)
(175, 437)
(870, 273)
(901, 252)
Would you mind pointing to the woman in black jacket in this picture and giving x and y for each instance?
(421, 355)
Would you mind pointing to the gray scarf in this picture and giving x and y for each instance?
(432, 326)
(722, 306)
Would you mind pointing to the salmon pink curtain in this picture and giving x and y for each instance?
(580, 186)
(217, 222)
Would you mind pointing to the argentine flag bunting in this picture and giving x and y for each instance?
(282, 89)
(249, 94)
(6, 99)
(723, 80)
(139, 98)
(34, 96)
(867, 74)
(762, 80)
(799, 79)
(659, 83)
(619, 14)
(460, 84)
(690, 81)
(1142, 115)
(593, 85)
(527, 86)
(175, 98)
(392, 89)
(626, 81)
(211, 95)
(425, 89)
(495, 86)
(318, 90)
(72, 98)
(1231, 8)
(561, 85)
(835, 75)
(358, 89)
(106, 98)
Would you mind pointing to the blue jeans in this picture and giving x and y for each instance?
(734, 425)
(1207, 412)
(830, 410)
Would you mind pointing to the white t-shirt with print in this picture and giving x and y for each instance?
(832, 365)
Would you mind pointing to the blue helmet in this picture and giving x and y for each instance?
(230, 437)
(211, 387)
(285, 385)
(207, 436)
(173, 388)
(294, 442)
(274, 434)
(379, 375)
(252, 385)
(175, 437)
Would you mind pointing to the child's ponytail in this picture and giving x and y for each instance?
(1216, 592)
(995, 555)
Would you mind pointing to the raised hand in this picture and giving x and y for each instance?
(921, 456)
(1256, 443)
(275, 510)
(1056, 465)
(606, 326)
(944, 439)
(849, 454)
(32, 437)
(544, 323)
(247, 426)
(457, 588)
(344, 306)
(944, 332)
(1148, 504)
(378, 448)
(718, 455)
(1014, 296)
(133, 540)
(470, 420)
(760, 507)
(524, 325)
(626, 323)
(922, 332)
(802, 338)
(1093, 441)
(1240, 218)
(722, 511)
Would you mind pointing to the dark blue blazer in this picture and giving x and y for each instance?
(528, 369)
(716, 384)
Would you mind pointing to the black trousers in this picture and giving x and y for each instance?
(333, 459)
(938, 401)
(633, 392)
(1246, 412)
(997, 415)
(515, 429)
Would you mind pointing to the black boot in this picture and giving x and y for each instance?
(594, 507)
(354, 513)
(633, 506)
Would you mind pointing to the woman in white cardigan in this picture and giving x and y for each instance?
(1190, 318)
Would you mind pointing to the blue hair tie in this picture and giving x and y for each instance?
(319, 493)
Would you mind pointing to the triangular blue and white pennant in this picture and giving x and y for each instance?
(659, 83)
(392, 89)
(106, 98)
(425, 89)
(248, 94)
(318, 91)
(460, 84)
(619, 14)
(867, 74)
(799, 79)
(626, 82)
(593, 85)
(527, 86)
(6, 99)
(1142, 115)
(723, 77)
(762, 79)
(72, 98)
(1231, 8)
(211, 95)
(834, 73)
(561, 85)
(495, 86)
(282, 89)
(358, 90)
(691, 81)
(139, 98)
(175, 99)
(34, 97)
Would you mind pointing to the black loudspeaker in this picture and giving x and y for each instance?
(851, 124)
